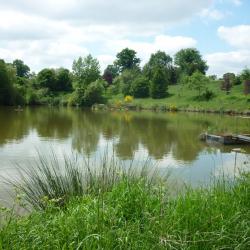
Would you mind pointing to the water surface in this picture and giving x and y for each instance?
(171, 139)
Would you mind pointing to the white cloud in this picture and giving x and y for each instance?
(53, 33)
(212, 14)
(237, 36)
(233, 61)
(102, 11)
(169, 44)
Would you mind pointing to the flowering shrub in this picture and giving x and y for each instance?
(128, 98)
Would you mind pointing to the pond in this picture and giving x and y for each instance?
(170, 139)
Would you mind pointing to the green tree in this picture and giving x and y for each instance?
(110, 73)
(22, 70)
(86, 70)
(63, 80)
(162, 60)
(94, 93)
(245, 75)
(190, 60)
(158, 85)
(140, 87)
(198, 82)
(126, 59)
(7, 93)
(46, 78)
(126, 79)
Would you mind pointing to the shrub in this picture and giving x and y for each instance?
(94, 93)
(158, 85)
(128, 99)
(140, 87)
(113, 90)
(77, 97)
(207, 95)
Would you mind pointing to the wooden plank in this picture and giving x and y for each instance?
(243, 138)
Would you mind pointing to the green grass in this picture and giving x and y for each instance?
(134, 212)
(183, 98)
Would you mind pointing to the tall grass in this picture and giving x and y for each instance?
(118, 208)
(53, 179)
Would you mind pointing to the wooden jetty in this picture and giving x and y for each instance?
(226, 139)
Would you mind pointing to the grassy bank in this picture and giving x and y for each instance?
(182, 98)
(123, 209)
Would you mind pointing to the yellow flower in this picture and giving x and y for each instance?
(128, 98)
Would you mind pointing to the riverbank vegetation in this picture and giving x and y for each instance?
(117, 208)
(180, 82)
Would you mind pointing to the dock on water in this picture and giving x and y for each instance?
(226, 139)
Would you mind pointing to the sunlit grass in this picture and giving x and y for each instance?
(116, 207)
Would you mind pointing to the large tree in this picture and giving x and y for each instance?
(46, 78)
(158, 59)
(22, 70)
(6, 85)
(126, 59)
(63, 80)
(158, 86)
(86, 70)
(189, 61)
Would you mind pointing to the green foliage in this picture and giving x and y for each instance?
(199, 82)
(158, 85)
(126, 79)
(94, 93)
(245, 75)
(140, 87)
(7, 92)
(63, 80)
(110, 73)
(135, 212)
(46, 78)
(22, 70)
(126, 59)
(113, 90)
(77, 97)
(159, 59)
(190, 60)
(86, 70)
(237, 80)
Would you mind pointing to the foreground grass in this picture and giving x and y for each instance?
(181, 97)
(137, 214)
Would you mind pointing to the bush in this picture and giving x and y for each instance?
(207, 95)
(158, 85)
(128, 98)
(94, 93)
(140, 87)
(113, 90)
(126, 79)
(77, 97)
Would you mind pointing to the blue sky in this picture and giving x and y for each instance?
(52, 33)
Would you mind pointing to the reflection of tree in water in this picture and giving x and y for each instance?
(154, 135)
(128, 138)
(14, 125)
(53, 123)
(159, 133)
(86, 131)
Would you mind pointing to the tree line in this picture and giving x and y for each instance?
(85, 84)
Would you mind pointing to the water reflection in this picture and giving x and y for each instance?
(159, 134)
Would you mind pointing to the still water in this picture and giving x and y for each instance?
(170, 139)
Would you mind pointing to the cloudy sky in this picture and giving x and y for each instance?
(52, 33)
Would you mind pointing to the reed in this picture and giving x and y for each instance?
(53, 179)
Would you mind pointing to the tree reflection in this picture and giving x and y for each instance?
(160, 134)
